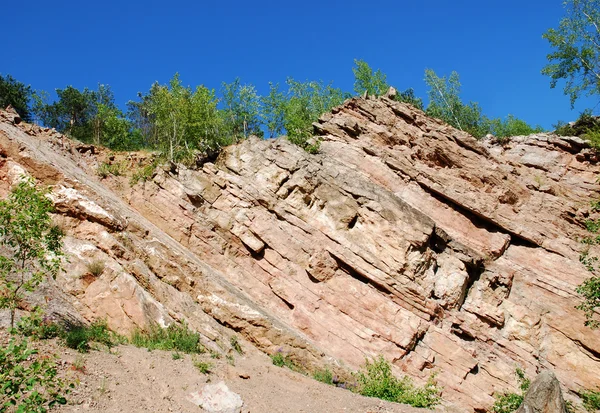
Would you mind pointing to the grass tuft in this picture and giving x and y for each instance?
(175, 337)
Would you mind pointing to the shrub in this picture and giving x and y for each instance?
(175, 337)
(377, 380)
(29, 382)
(37, 326)
(509, 402)
(586, 126)
(96, 268)
(31, 244)
(591, 400)
(79, 337)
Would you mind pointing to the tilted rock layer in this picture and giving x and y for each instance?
(403, 237)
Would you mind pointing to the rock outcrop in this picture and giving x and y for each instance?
(403, 237)
(544, 396)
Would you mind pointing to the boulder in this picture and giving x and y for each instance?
(544, 395)
(217, 398)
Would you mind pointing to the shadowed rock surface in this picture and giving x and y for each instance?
(403, 237)
(543, 396)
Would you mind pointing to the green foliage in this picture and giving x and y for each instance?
(176, 355)
(365, 80)
(37, 326)
(203, 366)
(273, 110)
(281, 359)
(242, 113)
(591, 400)
(445, 104)
(88, 115)
(375, 84)
(174, 337)
(29, 382)
(576, 44)
(79, 337)
(306, 102)
(16, 94)
(590, 290)
(324, 376)
(178, 120)
(408, 96)
(32, 245)
(144, 173)
(71, 113)
(377, 380)
(511, 126)
(509, 402)
(586, 126)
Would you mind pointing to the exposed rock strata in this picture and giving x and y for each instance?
(402, 237)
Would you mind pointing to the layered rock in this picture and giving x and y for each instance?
(402, 237)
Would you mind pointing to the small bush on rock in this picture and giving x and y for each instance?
(377, 380)
(509, 402)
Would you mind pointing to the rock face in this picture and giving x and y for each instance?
(403, 237)
(543, 396)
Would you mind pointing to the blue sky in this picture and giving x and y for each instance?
(496, 46)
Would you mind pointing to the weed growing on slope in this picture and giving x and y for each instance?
(324, 376)
(80, 337)
(96, 267)
(175, 337)
(284, 360)
(235, 344)
(106, 169)
(203, 366)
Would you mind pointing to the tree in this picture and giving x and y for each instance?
(374, 83)
(445, 104)
(306, 102)
(273, 111)
(408, 96)
(177, 120)
(30, 245)
(72, 113)
(242, 109)
(576, 58)
(16, 94)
